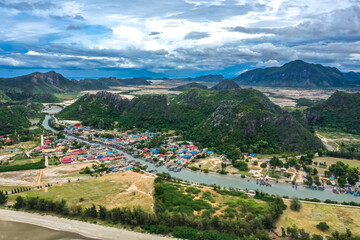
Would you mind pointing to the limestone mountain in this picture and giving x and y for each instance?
(239, 119)
(207, 78)
(225, 84)
(188, 86)
(296, 74)
(340, 111)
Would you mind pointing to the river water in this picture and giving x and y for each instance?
(20, 231)
(236, 181)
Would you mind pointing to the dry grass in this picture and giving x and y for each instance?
(113, 190)
(338, 218)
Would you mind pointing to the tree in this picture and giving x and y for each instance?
(295, 204)
(3, 198)
(241, 165)
(19, 202)
(256, 162)
(316, 237)
(323, 226)
(263, 165)
(102, 212)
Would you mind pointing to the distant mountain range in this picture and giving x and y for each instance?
(206, 78)
(352, 76)
(296, 74)
(41, 86)
(188, 86)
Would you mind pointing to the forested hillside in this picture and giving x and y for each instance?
(341, 111)
(229, 121)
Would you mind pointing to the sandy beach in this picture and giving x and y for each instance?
(88, 230)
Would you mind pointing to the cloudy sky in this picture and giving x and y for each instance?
(93, 38)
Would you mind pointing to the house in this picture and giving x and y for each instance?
(66, 160)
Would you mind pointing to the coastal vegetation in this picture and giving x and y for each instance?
(185, 211)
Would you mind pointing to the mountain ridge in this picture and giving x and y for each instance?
(226, 120)
(297, 74)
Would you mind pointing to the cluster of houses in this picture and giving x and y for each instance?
(172, 153)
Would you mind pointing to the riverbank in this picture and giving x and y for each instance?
(88, 230)
(233, 181)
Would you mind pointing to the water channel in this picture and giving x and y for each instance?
(235, 181)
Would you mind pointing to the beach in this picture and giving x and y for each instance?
(17, 224)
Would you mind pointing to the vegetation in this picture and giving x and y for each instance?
(27, 166)
(3, 198)
(323, 226)
(188, 86)
(208, 117)
(344, 173)
(296, 74)
(295, 204)
(338, 218)
(341, 111)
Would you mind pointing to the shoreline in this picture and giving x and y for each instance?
(86, 229)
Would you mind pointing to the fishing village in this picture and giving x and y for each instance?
(108, 147)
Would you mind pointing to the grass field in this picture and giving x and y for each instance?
(67, 96)
(334, 134)
(113, 190)
(331, 160)
(338, 218)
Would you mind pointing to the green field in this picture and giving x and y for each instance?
(67, 96)
(332, 160)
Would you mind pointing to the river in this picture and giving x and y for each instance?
(236, 181)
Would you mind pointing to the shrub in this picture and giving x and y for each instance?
(323, 226)
(3, 198)
(295, 204)
(263, 165)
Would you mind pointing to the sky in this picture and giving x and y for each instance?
(175, 38)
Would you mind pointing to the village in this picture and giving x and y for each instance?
(169, 151)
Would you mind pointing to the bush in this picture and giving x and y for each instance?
(323, 226)
(3, 198)
(295, 204)
(263, 165)
(185, 232)
(26, 166)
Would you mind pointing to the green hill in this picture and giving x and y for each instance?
(13, 118)
(188, 86)
(225, 84)
(37, 86)
(229, 120)
(341, 111)
(297, 74)
(41, 86)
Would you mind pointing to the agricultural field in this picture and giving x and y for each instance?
(339, 218)
(113, 190)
